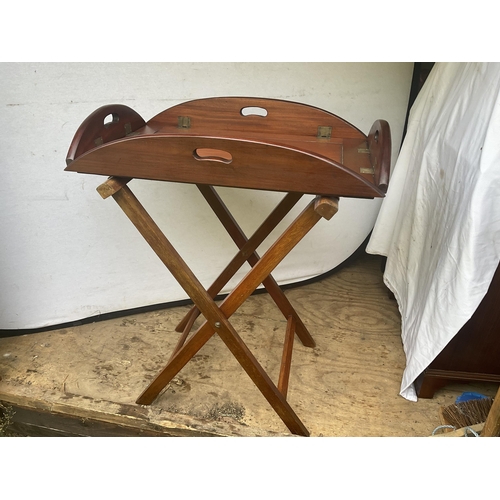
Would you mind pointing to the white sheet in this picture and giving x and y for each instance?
(439, 225)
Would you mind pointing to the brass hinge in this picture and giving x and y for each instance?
(324, 133)
(366, 171)
(364, 151)
(183, 122)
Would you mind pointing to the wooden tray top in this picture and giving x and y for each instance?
(241, 142)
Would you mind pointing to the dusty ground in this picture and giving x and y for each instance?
(348, 385)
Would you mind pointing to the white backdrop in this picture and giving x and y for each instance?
(66, 254)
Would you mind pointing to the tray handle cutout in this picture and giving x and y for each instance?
(210, 154)
(107, 123)
(110, 119)
(253, 111)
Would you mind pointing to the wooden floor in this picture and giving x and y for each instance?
(84, 380)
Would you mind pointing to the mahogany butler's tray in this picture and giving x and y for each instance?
(238, 142)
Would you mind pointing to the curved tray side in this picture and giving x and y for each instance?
(224, 162)
(234, 116)
(379, 144)
(105, 124)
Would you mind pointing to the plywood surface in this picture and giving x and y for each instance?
(347, 386)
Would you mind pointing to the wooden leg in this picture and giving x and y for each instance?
(492, 424)
(217, 318)
(233, 301)
(247, 247)
(247, 252)
(427, 384)
(185, 333)
(286, 360)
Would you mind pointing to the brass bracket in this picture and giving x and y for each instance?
(183, 122)
(366, 171)
(364, 151)
(324, 133)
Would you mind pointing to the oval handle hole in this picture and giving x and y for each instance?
(110, 119)
(209, 154)
(253, 111)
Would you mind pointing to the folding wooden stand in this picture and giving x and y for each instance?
(243, 143)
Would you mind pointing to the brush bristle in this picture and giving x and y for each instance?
(466, 413)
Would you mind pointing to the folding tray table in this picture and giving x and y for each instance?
(239, 142)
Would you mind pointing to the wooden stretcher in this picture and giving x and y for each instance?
(239, 142)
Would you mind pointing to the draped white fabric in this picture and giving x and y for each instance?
(439, 225)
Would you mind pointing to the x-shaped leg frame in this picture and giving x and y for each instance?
(217, 317)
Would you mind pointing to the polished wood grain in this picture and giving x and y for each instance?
(290, 121)
(95, 130)
(283, 151)
(255, 165)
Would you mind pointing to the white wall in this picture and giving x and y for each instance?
(66, 254)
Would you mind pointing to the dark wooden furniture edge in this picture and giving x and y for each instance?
(473, 354)
(432, 380)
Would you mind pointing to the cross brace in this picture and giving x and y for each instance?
(217, 317)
